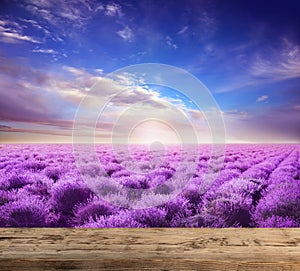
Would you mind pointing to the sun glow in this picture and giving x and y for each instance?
(151, 131)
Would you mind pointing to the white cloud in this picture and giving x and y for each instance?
(235, 114)
(61, 91)
(73, 15)
(11, 32)
(196, 115)
(12, 24)
(99, 71)
(11, 36)
(45, 51)
(75, 71)
(284, 63)
(126, 34)
(182, 30)
(36, 25)
(287, 68)
(281, 64)
(170, 42)
(113, 10)
(262, 98)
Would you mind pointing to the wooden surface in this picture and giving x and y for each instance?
(149, 249)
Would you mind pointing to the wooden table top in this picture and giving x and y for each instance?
(149, 249)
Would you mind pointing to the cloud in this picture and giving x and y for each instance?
(196, 115)
(37, 95)
(38, 107)
(24, 105)
(35, 131)
(272, 71)
(24, 101)
(170, 43)
(4, 127)
(11, 32)
(58, 20)
(30, 98)
(47, 105)
(36, 25)
(50, 99)
(75, 71)
(277, 65)
(182, 30)
(139, 96)
(282, 64)
(10, 37)
(113, 10)
(76, 12)
(208, 22)
(126, 34)
(126, 104)
(10, 68)
(262, 98)
(45, 51)
(51, 15)
(236, 112)
(272, 124)
(9, 23)
(297, 107)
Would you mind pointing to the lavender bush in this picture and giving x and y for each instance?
(257, 186)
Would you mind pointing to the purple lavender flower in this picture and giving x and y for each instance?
(282, 200)
(122, 220)
(27, 211)
(65, 195)
(229, 205)
(91, 210)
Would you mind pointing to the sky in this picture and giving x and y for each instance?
(246, 53)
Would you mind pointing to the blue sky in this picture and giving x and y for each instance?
(247, 53)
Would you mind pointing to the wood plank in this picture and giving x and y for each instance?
(149, 249)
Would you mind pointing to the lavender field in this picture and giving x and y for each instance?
(257, 186)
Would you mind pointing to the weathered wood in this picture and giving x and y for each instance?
(149, 249)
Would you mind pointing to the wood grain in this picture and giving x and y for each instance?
(149, 249)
